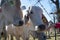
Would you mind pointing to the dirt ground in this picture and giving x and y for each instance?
(52, 37)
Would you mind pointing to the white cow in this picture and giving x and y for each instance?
(34, 16)
(11, 13)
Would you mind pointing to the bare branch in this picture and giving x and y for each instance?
(53, 1)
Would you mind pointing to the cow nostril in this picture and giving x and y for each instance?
(2, 33)
(20, 23)
(41, 27)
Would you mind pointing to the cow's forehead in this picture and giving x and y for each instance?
(35, 9)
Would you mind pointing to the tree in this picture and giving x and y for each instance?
(56, 3)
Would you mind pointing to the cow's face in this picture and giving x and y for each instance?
(12, 12)
(35, 14)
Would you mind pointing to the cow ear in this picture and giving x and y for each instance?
(23, 7)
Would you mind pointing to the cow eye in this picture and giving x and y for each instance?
(31, 12)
